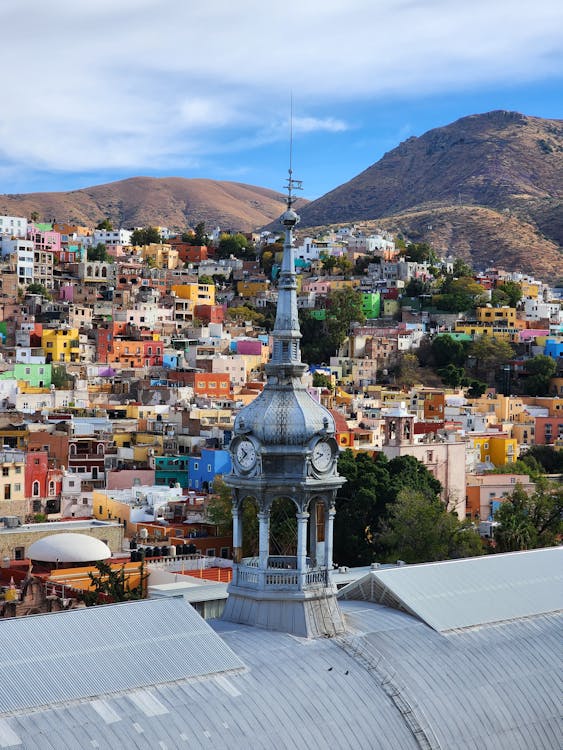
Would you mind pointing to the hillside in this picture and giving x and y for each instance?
(174, 202)
(487, 187)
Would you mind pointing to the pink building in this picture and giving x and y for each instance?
(124, 479)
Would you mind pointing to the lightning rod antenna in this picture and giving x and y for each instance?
(291, 183)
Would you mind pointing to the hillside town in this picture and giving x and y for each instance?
(126, 355)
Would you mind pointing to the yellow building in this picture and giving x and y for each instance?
(496, 449)
(337, 285)
(161, 256)
(497, 331)
(505, 408)
(197, 294)
(252, 287)
(530, 289)
(503, 316)
(61, 344)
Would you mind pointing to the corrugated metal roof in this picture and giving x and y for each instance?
(55, 658)
(492, 688)
(473, 591)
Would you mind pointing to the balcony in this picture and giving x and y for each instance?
(280, 575)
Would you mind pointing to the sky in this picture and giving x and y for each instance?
(95, 91)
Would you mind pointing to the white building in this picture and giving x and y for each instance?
(111, 238)
(13, 226)
(23, 257)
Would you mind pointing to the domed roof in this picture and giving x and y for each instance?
(69, 548)
(284, 417)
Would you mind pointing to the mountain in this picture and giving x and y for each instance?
(487, 187)
(174, 202)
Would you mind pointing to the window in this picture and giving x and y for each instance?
(35, 489)
(196, 466)
(210, 552)
(7, 492)
(19, 553)
(51, 488)
(5, 471)
(17, 487)
(84, 501)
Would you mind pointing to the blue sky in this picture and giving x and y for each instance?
(99, 90)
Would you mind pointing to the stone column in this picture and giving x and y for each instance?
(329, 526)
(237, 534)
(264, 537)
(313, 532)
(302, 519)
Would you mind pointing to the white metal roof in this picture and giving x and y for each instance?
(472, 591)
(77, 654)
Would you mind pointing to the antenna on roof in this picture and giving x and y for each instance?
(291, 184)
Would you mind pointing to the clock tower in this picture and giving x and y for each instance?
(284, 447)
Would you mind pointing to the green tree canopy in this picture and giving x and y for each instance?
(112, 585)
(372, 485)
(328, 262)
(36, 288)
(459, 295)
(234, 244)
(321, 380)
(344, 307)
(420, 529)
(446, 350)
(98, 252)
(530, 521)
(146, 236)
(540, 370)
(550, 459)
(243, 313)
(489, 354)
(420, 252)
(512, 291)
(105, 225)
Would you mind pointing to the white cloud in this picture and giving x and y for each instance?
(132, 83)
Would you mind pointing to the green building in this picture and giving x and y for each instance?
(371, 304)
(36, 375)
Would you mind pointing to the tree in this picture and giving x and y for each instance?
(461, 268)
(320, 380)
(219, 506)
(420, 529)
(112, 585)
(267, 260)
(512, 291)
(204, 279)
(372, 486)
(146, 236)
(540, 370)
(451, 375)
(344, 307)
(344, 265)
(490, 353)
(98, 252)
(459, 295)
(550, 459)
(417, 287)
(530, 521)
(446, 350)
(244, 313)
(105, 225)
(233, 244)
(36, 288)
(420, 252)
(328, 263)
(34, 217)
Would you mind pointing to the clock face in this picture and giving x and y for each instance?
(321, 456)
(245, 454)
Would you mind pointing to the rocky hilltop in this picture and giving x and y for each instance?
(487, 187)
(174, 202)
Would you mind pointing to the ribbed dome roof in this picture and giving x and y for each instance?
(284, 417)
(68, 548)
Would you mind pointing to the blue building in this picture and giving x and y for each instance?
(553, 348)
(203, 469)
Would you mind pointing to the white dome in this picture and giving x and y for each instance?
(68, 548)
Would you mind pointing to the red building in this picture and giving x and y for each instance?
(210, 384)
(43, 483)
(210, 313)
(549, 430)
(189, 253)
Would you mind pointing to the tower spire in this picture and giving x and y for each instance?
(286, 356)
